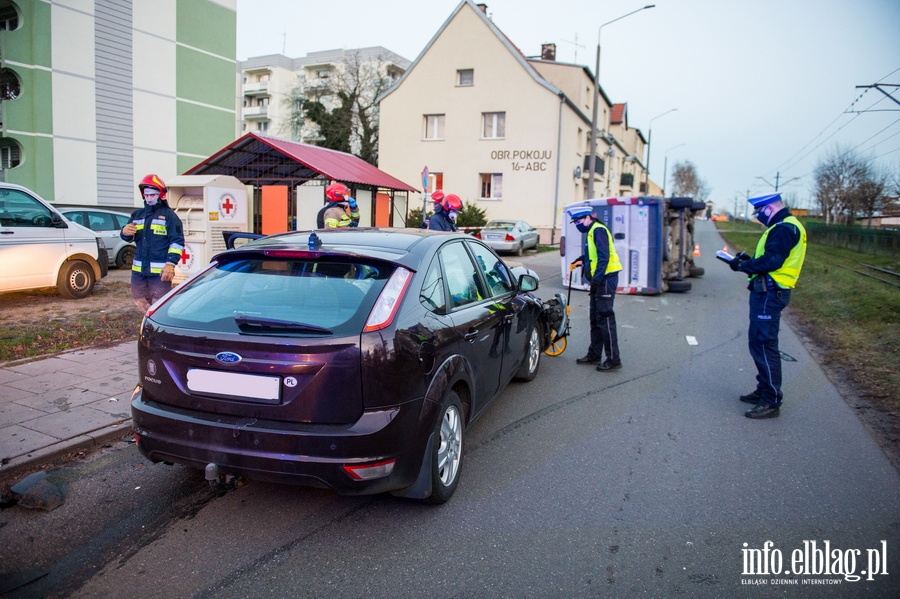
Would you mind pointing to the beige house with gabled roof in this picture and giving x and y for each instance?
(504, 131)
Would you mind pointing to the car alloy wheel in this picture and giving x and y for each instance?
(532, 360)
(447, 453)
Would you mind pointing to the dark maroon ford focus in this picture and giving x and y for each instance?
(350, 359)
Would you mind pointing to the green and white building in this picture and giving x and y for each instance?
(95, 94)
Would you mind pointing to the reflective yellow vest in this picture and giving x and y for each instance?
(613, 265)
(787, 275)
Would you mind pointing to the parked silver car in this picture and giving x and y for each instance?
(509, 236)
(107, 223)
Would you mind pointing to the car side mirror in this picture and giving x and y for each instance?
(528, 283)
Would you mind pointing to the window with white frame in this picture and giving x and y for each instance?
(493, 125)
(491, 186)
(434, 126)
(465, 77)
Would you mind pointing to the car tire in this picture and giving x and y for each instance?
(125, 258)
(75, 280)
(696, 271)
(446, 454)
(528, 370)
(520, 249)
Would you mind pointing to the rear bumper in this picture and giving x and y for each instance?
(501, 246)
(295, 453)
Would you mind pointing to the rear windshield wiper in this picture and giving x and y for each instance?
(245, 321)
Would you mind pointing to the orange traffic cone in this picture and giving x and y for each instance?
(696, 249)
(725, 249)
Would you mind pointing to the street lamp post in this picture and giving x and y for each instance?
(592, 169)
(649, 139)
(666, 167)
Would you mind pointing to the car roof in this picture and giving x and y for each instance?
(392, 244)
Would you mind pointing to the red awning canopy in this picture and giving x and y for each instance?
(258, 160)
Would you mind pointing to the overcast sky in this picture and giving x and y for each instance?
(762, 88)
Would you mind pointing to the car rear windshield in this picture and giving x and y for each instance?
(278, 297)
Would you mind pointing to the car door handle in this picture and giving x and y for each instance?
(471, 335)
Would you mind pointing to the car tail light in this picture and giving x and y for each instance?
(370, 471)
(478, 235)
(389, 301)
(510, 237)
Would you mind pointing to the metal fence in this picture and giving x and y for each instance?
(864, 240)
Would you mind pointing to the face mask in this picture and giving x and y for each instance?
(151, 201)
(453, 215)
(761, 217)
(583, 226)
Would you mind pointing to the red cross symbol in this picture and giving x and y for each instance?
(185, 256)
(227, 206)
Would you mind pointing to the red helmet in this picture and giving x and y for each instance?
(452, 202)
(337, 192)
(437, 196)
(156, 183)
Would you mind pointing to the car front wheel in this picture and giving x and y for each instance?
(76, 279)
(528, 369)
(446, 455)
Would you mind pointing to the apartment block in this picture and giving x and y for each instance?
(95, 95)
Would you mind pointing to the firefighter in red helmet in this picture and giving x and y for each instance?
(340, 210)
(158, 236)
(443, 205)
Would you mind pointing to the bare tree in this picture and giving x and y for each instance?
(845, 186)
(343, 113)
(686, 182)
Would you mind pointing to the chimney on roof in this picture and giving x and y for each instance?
(548, 52)
(483, 7)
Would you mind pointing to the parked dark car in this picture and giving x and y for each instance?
(351, 359)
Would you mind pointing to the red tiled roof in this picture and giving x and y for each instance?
(260, 160)
(617, 115)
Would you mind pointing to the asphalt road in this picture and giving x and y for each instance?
(643, 482)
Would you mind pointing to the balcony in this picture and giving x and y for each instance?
(256, 88)
(599, 165)
(255, 112)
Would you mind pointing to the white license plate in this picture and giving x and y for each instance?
(234, 384)
(495, 237)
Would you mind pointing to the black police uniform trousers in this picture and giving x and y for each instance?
(603, 320)
(765, 320)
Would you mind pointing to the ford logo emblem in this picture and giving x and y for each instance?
(227, 357)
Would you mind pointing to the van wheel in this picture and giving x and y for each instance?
(679, 286)
(125, 257)
(446, 455)
(76, 280)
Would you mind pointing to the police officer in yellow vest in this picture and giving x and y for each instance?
(774, 270)
(600, 266)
